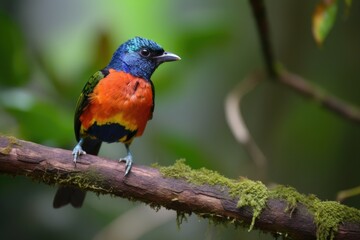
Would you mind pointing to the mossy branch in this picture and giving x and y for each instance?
(281, 210)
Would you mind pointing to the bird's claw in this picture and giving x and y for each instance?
(77, 152)
(128, 163)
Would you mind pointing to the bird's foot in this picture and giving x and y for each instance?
(77, 152)
(128, 162)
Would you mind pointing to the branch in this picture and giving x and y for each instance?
(259, 12)
(237, 124)
(293, 81)
(218, 199)
(319, 95)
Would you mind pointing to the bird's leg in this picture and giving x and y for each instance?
(78, 150)
(128, 160)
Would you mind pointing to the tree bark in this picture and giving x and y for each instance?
(146, 184)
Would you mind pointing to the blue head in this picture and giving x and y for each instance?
(140, 57)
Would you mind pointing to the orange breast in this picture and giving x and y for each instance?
(120, 98)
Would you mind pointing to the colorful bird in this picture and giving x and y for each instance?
(115, 105)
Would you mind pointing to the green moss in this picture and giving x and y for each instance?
(180, 217)
(154, 206)
(6, 150)
(89, 179)
(327, 214)
(197, 177)
(12, 141)
(252, 194)
(292, 197)
(84, 180)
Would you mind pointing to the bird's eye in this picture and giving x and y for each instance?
(145, 52)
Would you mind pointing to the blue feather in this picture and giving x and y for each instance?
(128, 57)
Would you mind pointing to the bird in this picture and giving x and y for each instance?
(115, 105)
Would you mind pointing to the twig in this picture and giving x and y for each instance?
(236, 121)
(319, 95)
(54, 166)
(345, 194)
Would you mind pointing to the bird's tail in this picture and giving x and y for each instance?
(73, 195)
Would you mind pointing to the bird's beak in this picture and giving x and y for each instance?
(167, 57)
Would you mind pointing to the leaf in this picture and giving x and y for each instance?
(323, 20)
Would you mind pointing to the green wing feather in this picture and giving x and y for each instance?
(83, 100)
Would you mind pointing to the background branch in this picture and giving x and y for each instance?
(236, 121)
(260, 15)
(291, 80)
(330, 102)
(54, 166)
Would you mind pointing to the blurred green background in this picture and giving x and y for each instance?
(48, 49)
